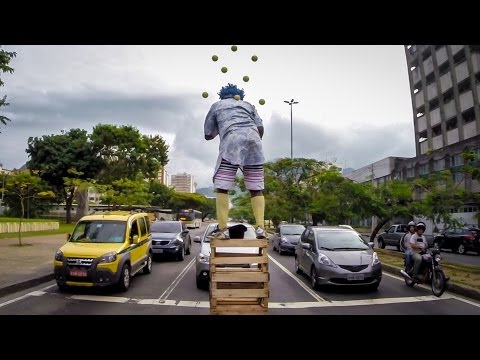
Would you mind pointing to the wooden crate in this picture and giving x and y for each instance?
(239, 290)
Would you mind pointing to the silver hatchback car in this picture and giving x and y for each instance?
(202, 261)
(334, 255)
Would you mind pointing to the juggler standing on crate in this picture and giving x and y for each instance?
(241, 130)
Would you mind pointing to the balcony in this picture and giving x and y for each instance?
(470, 130)
(419, 101)
(461, 70)
(428, 66)
(441, 55)
(422, 123)
(452, 136)
(431, 91)
(450, 110)
(435, 117)
(424, 147)
(466, 100)
(416, 75)
(446, 81)
(437, 142)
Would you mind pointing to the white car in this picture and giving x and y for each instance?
(202, 261)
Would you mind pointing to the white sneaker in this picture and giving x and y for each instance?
(261, 233)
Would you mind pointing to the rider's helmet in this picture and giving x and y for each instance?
(411, 223)
(421, 225)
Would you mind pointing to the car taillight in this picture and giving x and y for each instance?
(470, 237)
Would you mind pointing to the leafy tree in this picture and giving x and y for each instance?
(127, 192)
(181, 200)
(128, 154)
(5, 58)
(23, 186)
(161, 194)
(68, 155)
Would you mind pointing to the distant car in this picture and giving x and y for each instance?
(459, 240)
(170, 238)
(286, 237)
(202, 261)
(394, 235)
(332, 255)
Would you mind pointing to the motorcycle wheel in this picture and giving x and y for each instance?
(439, 284)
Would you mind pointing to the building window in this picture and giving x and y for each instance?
(448, 95)
(457, 160)
(439, 165)
(468, 115)
(443, 69)
(413, 49)
(459, 57)
(423, 169)
(464, 85)
(415, 91)
(434, 104)
(452, 124)
(437, 130)
(430, 78)
(422, 136)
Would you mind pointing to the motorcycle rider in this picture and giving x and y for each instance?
(406, 244)
(418, 245)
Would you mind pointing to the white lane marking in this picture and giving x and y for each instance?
(278, 305)
(14, 300)
(177, 280)
(305, 287)
(114, 299)
(450, 295)
(33, 293)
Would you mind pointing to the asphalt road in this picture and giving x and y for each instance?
(170, 290)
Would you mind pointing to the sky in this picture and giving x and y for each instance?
(354, 105)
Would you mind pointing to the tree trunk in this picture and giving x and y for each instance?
(378, 227)
(20, 224)
(69, 203)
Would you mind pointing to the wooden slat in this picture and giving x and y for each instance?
(227, 254)
(239, 269)
(238, 301)
(260, 243)
(233, 276)
(236, 293)
(263, 259)
(238, 310)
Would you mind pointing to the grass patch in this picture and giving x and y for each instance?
(63, 229)
(458, 273)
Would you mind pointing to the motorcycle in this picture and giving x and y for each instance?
(429, 273)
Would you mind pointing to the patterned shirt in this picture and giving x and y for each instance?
(236, 122)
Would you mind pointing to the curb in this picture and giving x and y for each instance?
(10, 289)
(451, 287)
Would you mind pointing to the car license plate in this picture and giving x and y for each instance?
(78, 273)
(355, 277)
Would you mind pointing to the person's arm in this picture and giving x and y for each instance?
(210, 127)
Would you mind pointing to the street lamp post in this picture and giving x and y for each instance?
(291, 102)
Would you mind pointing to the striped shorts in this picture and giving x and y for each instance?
(224, 178)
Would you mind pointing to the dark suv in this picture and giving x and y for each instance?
(459, 240)
(170, 238)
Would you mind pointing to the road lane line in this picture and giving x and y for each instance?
(114, 299)
(176, 281)
(305, 287)
(277, 305)
(450, 294)
(14, 300)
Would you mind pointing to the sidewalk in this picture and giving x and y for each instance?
(29, 265)
(32, 264)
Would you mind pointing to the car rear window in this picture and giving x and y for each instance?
(166, 227)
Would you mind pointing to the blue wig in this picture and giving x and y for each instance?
(230, 91)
